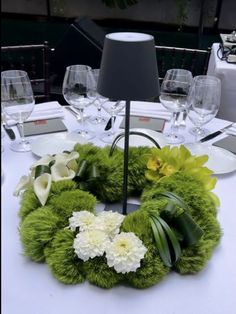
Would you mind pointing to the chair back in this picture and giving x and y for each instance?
(34, 59)
(194, 60)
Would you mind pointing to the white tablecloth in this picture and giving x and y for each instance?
(227, 73)
(30, 288)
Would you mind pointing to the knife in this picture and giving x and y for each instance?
(214, 134)
(9, 132)
(108, 125)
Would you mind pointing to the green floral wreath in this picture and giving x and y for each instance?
(175, 227)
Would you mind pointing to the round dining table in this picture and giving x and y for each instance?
(30, 288)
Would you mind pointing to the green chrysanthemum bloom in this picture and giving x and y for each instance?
(99, 273)
(138, 222)
(69, 201)
(61, 186)
(62, 260)
(29, 203)
(151, 272)
(37, 230)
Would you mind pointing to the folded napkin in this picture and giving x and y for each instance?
(148, 109)
(46, 110)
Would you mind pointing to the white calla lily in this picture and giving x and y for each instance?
(45, 160)
(60, 171)
(65, 157)
(24, 183)
(42, 186)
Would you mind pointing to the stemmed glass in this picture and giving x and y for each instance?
(97, 99)
(75, 89)
(113, 108)
(173, 95)
(17, 103)
(204, 100)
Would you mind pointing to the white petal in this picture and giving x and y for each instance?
(25, 182)
(65, 158)
(42, 185)
(45, 160)
(61, 172)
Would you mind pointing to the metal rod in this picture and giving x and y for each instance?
(126, 157)
(217, 14)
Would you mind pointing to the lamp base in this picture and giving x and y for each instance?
(118, 207)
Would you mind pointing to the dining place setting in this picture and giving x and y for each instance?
(130, 183)
(187, 106)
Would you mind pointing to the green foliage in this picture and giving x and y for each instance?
(139, 223)
(62, 260)
(187, 187)
(60, 186)
(29, 203)
(37, 230)
(99, 273)
(69, 201)
(138, 157)
(43, 236)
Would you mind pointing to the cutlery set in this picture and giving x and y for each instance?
(180, 123)
(214, 134)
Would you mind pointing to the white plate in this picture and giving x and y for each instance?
(220, 160)
(137, 140)
(55, 143)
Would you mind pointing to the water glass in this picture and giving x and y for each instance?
(17, 103)
(173, 96)
(75, 89)
(204, 100)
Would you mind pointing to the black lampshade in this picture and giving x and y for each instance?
(128, 68)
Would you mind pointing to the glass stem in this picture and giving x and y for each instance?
(22, 132)
(82, 119)
(112, 124)
(198, 133)
(174, 127)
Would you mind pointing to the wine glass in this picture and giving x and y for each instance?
(17, 103)
(173, 95)
(75, 88)
(113, 108)
(96, 98)
(204, 100)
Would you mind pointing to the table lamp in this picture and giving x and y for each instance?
(128, 72)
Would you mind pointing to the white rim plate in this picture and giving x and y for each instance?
(55, 143)
(220, 160)
(137, 140)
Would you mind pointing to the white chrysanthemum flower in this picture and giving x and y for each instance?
(82, 219)
(125, 252)
(109, 222)
(90, 243)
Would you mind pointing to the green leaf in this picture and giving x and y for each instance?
(188, 228)
(178, 200)
(161, 241)
(52, 162)
(94, 173)
(81, 169)
(41, 169)
(173, 239)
